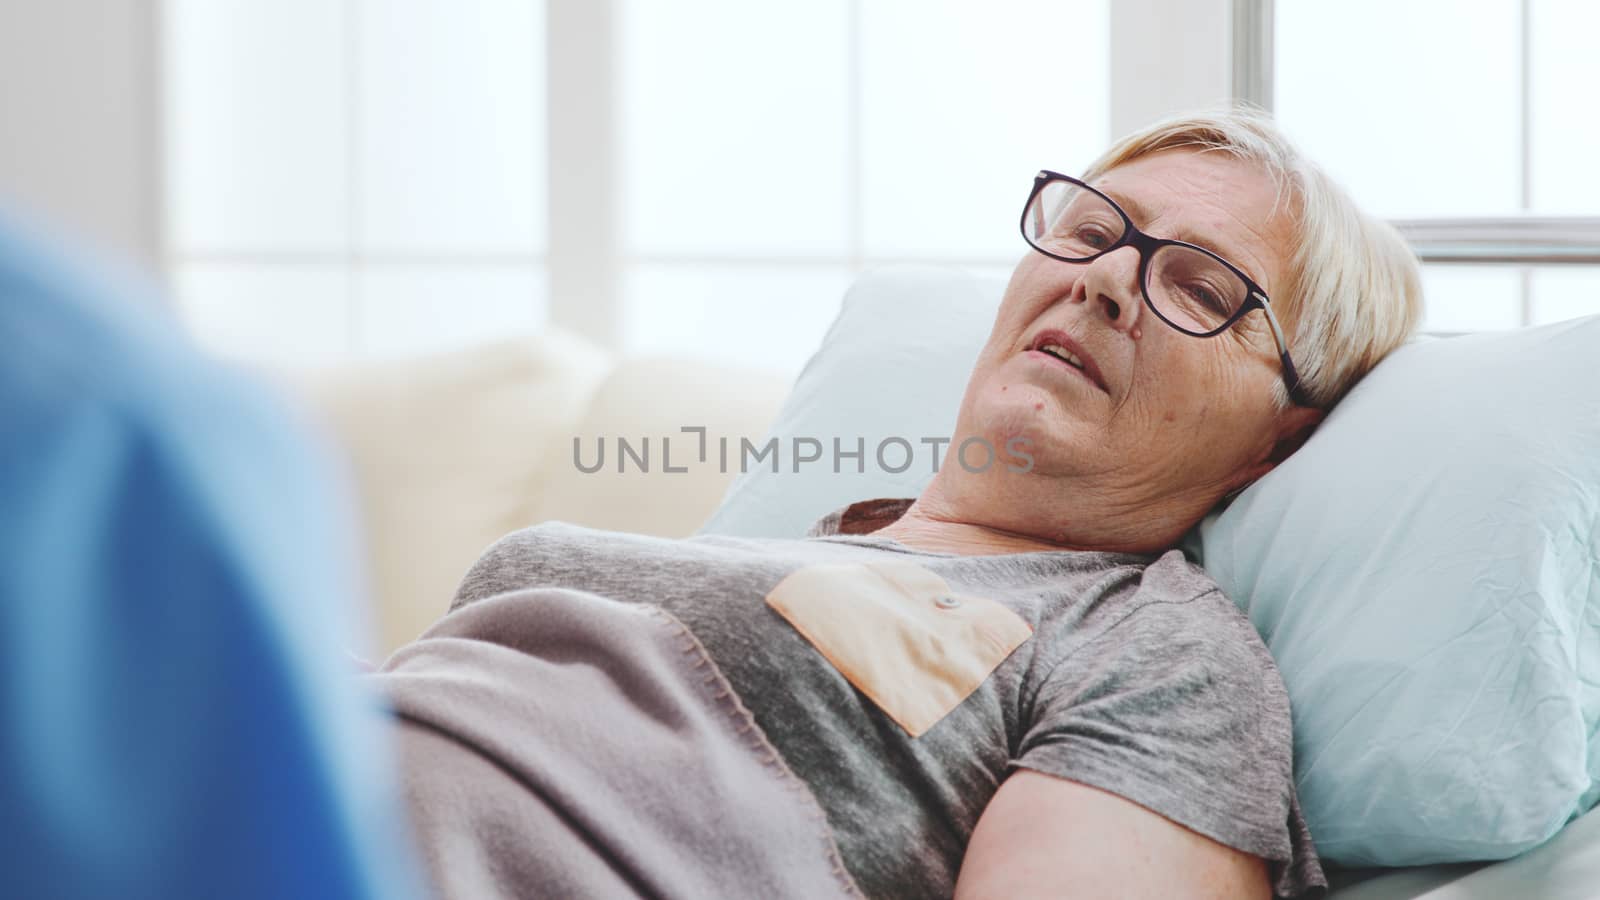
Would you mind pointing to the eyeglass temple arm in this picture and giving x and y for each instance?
(1291, 378)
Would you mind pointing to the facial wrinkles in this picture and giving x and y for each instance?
(1163, 373)
(1204, 211)
(1118, 273)
(1160, 376)
(1123, 365)
(1152, 353)
(1151, 402)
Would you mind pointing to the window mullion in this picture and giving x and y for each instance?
(583, 200)
(1167, 56)
(1250, 31)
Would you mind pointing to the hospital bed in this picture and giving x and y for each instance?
(1565, 868)
(451, 451)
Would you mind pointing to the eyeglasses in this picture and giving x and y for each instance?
(1188, 287)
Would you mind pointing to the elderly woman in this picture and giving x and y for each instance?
(1010, 686)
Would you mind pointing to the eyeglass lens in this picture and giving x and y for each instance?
(1190, 288)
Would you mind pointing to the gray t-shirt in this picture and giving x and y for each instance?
(1139, 678)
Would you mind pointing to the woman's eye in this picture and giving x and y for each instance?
(1093, 236)
(1208, 298)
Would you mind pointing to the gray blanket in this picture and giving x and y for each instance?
(591, 748)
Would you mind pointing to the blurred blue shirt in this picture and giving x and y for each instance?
(178, 717)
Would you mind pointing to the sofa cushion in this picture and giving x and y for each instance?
(648, 401)
(449, 452)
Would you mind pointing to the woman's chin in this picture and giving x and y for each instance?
(1018, 406)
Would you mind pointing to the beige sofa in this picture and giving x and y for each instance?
(451, 451)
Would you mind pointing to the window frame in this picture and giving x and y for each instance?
(1160, 63)
(1165, 56)
(586, 259)
(1522, 240)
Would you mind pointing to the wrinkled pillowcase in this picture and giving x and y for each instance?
(1425, 572)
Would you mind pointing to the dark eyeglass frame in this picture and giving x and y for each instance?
(1147, 245)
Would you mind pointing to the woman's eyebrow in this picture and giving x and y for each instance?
(1141, 214)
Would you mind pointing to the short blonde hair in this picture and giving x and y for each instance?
(1354, 289)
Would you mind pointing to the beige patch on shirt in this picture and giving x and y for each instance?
(900, 634)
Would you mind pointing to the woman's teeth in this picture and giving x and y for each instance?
(1062, 353)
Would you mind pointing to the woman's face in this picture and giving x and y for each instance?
(1173, 422)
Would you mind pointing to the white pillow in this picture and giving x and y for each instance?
(1426, 571)
(894, 364)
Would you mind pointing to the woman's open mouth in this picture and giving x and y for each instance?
(1052, 359)
(1056, 349)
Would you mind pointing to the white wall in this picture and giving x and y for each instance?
(79, 121)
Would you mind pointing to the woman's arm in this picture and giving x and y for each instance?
(1043, 836)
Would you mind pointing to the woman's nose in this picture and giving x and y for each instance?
(1112, 307)
(1112, 286)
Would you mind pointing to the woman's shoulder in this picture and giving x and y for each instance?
(1176, 577)
(1190, 598)
(1171, 606)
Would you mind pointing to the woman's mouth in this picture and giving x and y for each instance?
(1054, 361)
(1055, 348)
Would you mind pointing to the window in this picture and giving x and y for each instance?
(765, 167)
(703, 177)
(355, 178)
(1471, 131)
